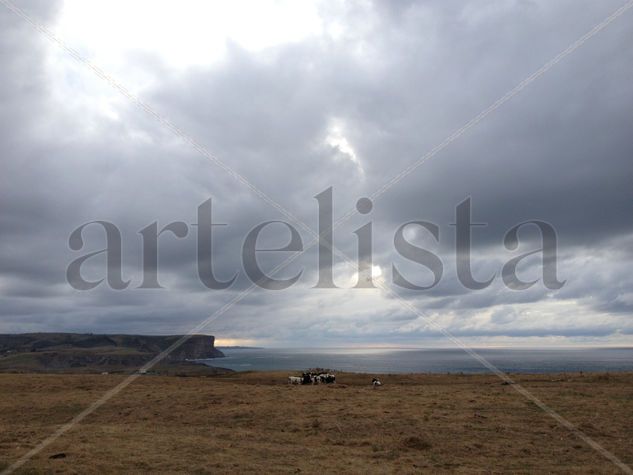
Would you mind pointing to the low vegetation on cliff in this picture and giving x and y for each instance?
(63, 352)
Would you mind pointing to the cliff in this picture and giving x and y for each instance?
(59, 351)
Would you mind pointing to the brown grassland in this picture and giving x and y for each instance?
(255, 422)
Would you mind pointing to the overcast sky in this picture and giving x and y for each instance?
(299, 97)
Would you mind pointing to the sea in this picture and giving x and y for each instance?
(386, 361)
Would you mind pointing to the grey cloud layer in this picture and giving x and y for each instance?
(399, 79)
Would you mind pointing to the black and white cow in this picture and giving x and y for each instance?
(327, 378)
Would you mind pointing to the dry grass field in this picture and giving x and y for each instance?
(255, 422)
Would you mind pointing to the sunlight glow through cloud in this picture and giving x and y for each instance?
(193, 33)
(337, 140)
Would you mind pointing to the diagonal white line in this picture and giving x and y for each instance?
(504, 377)
(505, 98)
(122, 385)
(177, 131)
(493, 107)
(201, 149)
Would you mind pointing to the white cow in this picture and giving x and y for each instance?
(294, 380)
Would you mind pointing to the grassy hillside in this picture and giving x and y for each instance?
(255, 422)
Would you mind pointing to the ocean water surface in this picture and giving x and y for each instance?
(427, 360)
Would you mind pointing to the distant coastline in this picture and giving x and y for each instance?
(430, 360)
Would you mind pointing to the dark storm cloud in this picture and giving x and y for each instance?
(400, 79)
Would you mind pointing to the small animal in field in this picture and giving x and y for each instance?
(376, 383)
(294, 380)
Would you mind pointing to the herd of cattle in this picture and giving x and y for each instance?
(310, 377)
